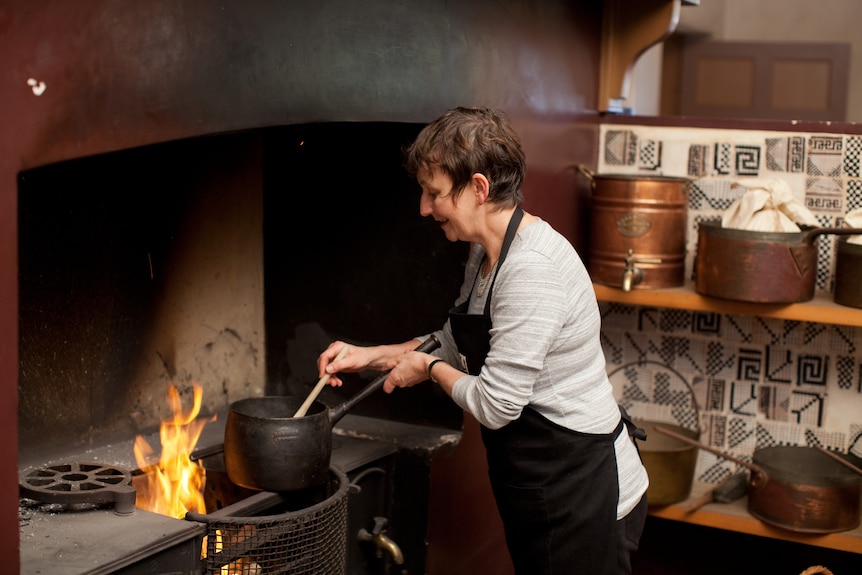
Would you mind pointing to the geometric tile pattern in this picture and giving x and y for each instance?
(851, 156)
(755, 381)
(649, 155)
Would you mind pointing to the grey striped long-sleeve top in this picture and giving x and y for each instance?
(545, 348)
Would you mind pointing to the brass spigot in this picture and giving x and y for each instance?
(381, 541)
(633, 275)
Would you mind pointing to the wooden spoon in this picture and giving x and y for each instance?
(321, 383)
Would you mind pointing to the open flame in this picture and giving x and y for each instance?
(175, 485)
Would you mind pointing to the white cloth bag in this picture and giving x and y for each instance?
(767, 205)
(853, 219)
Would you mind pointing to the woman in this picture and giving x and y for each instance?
(521, 352)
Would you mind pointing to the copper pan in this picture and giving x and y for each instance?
(760, 267)
(798, 488)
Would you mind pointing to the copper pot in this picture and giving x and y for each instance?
(638, 230)
(760, 267)
(798, 488)
(848, 273)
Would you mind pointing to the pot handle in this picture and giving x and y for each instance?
(586, 172)
(338, 412)
(205, 452)
(812, 234)
(758, 474)
(839, 459)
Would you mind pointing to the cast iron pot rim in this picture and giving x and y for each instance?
(290, 401)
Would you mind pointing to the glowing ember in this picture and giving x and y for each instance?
(175, 485)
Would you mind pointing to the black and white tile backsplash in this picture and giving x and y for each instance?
(748, 382)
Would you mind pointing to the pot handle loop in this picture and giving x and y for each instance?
(586, 172)
(699, 429)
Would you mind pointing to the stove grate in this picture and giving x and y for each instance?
(311, 539)
(76, 483)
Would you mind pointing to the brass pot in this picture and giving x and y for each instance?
(670, 463)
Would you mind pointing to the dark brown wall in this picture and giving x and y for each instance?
(121, 75)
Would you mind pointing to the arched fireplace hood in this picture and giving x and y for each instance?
(103, 76)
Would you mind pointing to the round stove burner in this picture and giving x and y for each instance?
(73, 483)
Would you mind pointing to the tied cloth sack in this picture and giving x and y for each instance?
(853, 219)
(768, 205)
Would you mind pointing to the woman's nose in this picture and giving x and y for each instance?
(424, 205)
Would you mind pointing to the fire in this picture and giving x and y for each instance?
(175, 485)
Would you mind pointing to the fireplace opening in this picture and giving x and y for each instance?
(228, 261)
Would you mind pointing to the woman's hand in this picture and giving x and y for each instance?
(359, 358)
(350, 362)
(407, 370)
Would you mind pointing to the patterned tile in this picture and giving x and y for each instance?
(825, 155)
(722, 160)
(621, 148)
(697, 160)
(773, 402)
(854, 195)
(851, 156)
(824, 195)
(807, 408)
(747, 160)
(845, 367)
(649, 155)
(756, 381)
(785, 154)
(779, 365)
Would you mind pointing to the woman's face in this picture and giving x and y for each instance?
(436, 201)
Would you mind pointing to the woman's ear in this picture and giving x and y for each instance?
(481, 187)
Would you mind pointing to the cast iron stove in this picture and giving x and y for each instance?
(79, 518)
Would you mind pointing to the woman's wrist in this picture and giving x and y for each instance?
(430, 367)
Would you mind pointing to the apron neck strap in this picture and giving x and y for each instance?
(511, 230)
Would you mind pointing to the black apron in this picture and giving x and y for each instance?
(471, 331)
(556, 489)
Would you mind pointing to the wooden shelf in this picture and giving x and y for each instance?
(735, 517)
(820, 310)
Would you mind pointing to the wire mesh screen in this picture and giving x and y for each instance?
(309, 541)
